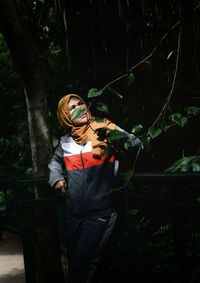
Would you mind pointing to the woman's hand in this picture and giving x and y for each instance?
(61, 186)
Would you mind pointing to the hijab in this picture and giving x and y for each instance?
(83, 133)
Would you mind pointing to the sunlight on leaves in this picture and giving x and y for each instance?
(178, 119)
(93, 92)
(192, 110)
(115, 135)
(196, 167)
(154, 132)
(137, 128)
(185, 164)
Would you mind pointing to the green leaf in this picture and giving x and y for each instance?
(196, 167)
(29, 171)
(99, 119)
(178, 119)
(128, 144)
(115, 135)
(137, 128)
(181, 165)
(78, 112)
(183, 122)
(192, 110)
(102, 107)
(164, 126)
(175, 117)
(106, 150)
(146, 142)
(130, 79)
(154, 132)
(115, 92)
(93, 92)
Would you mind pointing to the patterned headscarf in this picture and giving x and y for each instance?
(84, 133)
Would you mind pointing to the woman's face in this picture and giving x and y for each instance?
(75, 103)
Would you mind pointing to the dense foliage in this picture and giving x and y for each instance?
(14, 142)
(132, 59)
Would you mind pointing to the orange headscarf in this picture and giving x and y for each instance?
(85, 133)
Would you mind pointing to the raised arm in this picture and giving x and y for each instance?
(132, 138)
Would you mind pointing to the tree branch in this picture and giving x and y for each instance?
(143, 60)
(173, 82)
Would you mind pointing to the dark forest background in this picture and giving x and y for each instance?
(138, 63)
(51, 48)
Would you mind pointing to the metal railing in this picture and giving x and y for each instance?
(160, 235)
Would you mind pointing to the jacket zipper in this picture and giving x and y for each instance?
(83, 177)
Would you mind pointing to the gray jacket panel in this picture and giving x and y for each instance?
(56, 166)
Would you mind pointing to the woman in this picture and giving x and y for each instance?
(90, 209)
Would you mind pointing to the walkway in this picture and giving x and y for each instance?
(11, 259)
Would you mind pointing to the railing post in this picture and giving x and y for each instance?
(179, 244)
(27, 217)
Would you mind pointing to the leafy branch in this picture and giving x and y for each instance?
(185, 164)
(94, 92)
(176, 119)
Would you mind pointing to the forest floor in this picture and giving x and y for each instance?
(11, 259)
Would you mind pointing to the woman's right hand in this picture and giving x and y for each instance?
(61, 186)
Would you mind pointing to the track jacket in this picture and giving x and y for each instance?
(90, 181)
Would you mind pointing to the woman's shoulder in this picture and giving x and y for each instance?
(66, 138)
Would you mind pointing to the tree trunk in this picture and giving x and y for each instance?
(29, 63)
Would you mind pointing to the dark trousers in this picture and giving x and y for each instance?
(86, 239)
